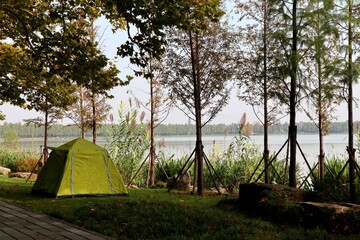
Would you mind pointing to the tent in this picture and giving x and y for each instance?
(79, 168)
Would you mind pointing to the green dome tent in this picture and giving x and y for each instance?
(79, 168)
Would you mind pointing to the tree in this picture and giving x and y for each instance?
(11, 140)
(289, 33)
(159, 106)
(54, 39)
(349, 71)
(197, 69)
(257, 78)
(146, 21)
(12, 60)
(82, 114)
(323, 87)
(103, 77)
(151, 18)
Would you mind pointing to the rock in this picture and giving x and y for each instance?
(23, 175)
(335, 217)
(222, 190)
(4, 170)
(183, 184)
(250, 194)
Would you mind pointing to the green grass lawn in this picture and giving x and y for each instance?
(157, 214)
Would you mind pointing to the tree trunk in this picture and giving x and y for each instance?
(320, 105)
(82, 111)
(46, 126)
(93, 99)
(197, 98)
(266, 122)
(293, 76)
(351, 149)
(321, 150)
(152, 129)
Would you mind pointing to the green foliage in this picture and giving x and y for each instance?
(147, 41)
(10, 141)
(277, 171)
(235, 164)
(169, 165)
(279, 206)
(128, 143)
(335, 185)
(10, 159)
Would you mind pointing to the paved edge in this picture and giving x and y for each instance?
(36, 215)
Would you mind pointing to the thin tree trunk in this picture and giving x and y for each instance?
(321, 138)
(93, 99)
(152, 129)
(46, 126)
(293, 76)
(93, 95)
(197, 92)
(82, 111)
(320, 104)
(266, 122)
(350, 112)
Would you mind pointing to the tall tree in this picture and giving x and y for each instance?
(53, 35)
(103, 77)
(349, 69)
(257, 80)
(198, 67)
(151, 18)
(289, 33)
(159, 107)
(323, 90)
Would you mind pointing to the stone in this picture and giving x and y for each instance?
(23, 175)
(183, 184)
(4, 170)
(250, 194)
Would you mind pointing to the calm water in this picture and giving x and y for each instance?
(183, 145)
(334, 145)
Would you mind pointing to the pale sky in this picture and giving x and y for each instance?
(232, 113)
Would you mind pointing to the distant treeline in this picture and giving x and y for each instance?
(62, 131)
(257, 128)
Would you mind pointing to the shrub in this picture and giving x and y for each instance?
(26, 165)
(335, 185)
(10, 159)
(127, 142)
(169, 165)
(235, 164)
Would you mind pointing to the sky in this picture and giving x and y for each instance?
(109, 41)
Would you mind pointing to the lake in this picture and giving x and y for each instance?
(335, 144)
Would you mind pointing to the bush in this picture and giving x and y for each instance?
(170, 166)
(127, 142)
(26, 165)
(10, 159)
(335, 186)
(235, 164)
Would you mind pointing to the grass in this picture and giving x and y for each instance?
(156, 214)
